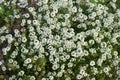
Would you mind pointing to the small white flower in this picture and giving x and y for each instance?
(32, 78)
(92, 63)
(4, 68)
(91, 42)
(17, 16)
(79, 77)
(93, 79)
(4, 50)
(55, 10)
(29, 66)
(51, 77)
(43, 78)
(20, 79)
(67, 56)
(29, 21)
(21, 73)
(86, 53)
(106, 69)
(70, 64)
(10, 60)
(99, 62)
(31, 9)
(35, 57)
(60, 74)
(52, 14)
(35, 22)
(24, 39)
(45, 1)
(74, 9)
(55, 67)
(27, 61)
(2, 38)
(27, 15)
(36, 42)
(23, 21)
(115, 53)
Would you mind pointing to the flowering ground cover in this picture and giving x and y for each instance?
(59, 39)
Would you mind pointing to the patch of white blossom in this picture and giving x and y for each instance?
(63, 40)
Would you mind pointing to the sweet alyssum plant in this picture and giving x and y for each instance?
(60, 39)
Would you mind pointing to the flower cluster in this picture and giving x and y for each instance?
(62, 40)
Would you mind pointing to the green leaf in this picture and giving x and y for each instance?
(1, 10)
(41, 62)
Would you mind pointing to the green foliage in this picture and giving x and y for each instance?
(5, 13)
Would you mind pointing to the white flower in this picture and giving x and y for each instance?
(74, 54)
(29, 66)
(36, 42)
(4, 68)
(106, 69)
(115, 53)
(82, 72)
(55, 67)
(23, 21)
(92, 63)
(67, 56)
(10, 60)
(29, 21)
(92, 15)
(91, 42)
(9, 38)
(16, 31)
(59, 74)
(63, 66)
(70, 64)
(86, 53)
(79, 77)
(35, 22)
(103, 45)
(115, 62)
(21, 73)
(99, 62)
(51, 77)
(17, 16)
(74, 9)
(32, 78)
(55, 10)
(20, 79)
(4, 50)
(24, 39)
(27, 15)
(99, 12)
(52, 14)
(35, 57)
(39, 69)
(27, 61)
(114, 0)
(93, 79)
(43, 78)
(31, 9)
(45, 1)
(103, 56)
(2, 38)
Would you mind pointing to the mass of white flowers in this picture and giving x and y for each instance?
(60, 39)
